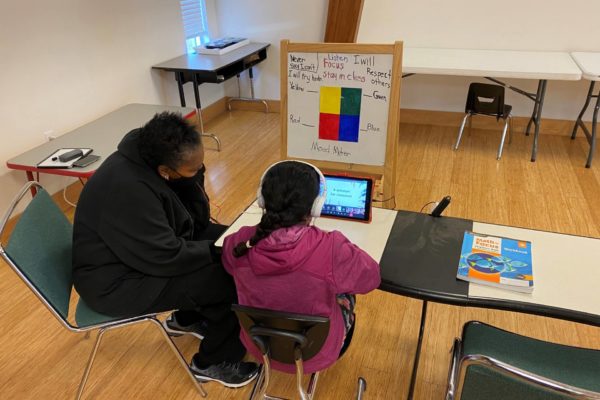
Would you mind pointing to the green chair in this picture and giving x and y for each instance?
(39, 251)
(491, 363)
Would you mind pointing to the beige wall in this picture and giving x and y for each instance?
(270, 21)
(543, 25)
(64, 63)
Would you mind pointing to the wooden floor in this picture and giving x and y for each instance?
(39, 360)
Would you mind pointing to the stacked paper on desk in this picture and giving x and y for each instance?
(496, 261)
(222, 46)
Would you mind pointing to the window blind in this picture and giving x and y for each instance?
(194, 19)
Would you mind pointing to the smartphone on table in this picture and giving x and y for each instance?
(85, 161)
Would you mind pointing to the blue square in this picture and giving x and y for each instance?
(349, 125)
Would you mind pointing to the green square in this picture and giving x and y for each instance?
(350, 101)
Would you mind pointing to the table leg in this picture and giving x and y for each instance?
(179, 79)
(591, 137)
(251, 98)
(30, 179)
(538, 116)
(535, 108)
(199, 114)
(579, 121)
(413, 377)
(594, 128)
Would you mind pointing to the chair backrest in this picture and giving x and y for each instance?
(498, 364)
(283, 335)
(39, 250)
(486, 99)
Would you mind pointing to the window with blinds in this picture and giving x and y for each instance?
(193, 14)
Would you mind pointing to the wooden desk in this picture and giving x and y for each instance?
(493, 64)
(590, 66)
(102, 135)
(205, 68)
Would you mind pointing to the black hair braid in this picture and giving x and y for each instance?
(289, 190)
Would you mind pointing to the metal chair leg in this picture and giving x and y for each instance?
(88, 367)
(460, 131)
(510, 129)
(503, 138)
(362, 388)
(179, 356)
(453, 373)
(312, 385)
(470, 124)
(259, 388)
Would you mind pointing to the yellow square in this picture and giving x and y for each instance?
(331, 100)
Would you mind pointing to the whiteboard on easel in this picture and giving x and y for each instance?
(337, 106)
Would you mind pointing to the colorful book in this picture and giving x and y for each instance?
(496, 261)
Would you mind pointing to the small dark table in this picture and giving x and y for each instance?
(207, 68)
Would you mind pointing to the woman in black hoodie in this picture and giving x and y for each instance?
(143, 243)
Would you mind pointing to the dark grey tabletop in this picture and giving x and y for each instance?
(102, 135)
(209, 62)
(421, 257)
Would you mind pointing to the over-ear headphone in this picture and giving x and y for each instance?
(319, 201)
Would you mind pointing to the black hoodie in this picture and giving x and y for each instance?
(133, 230)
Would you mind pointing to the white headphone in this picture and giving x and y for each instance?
(319, 201)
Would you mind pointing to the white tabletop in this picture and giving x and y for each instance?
(370, 237)
(566, 270)
(492, 63)
(589, 64)
(102, 135)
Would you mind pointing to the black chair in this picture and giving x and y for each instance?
(488, 100)
(287, 338)
(494, 364)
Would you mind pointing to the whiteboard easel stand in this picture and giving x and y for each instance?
(387, 172)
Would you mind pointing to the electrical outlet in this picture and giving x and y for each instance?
(49, 135)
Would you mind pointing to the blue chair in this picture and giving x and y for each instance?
(494, 364)
(39, 252)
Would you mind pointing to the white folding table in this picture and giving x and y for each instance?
(493, 64)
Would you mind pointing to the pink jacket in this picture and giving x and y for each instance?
(300, 270)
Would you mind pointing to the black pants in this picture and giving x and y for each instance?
(207, 295)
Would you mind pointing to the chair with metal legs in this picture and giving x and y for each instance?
(289, 339)
(494, 364)
(39, 252)
(488, 100)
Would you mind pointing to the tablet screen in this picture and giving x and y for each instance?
(348, 197)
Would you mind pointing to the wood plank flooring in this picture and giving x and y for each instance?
(39, 360)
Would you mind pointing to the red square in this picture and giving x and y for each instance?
(329, 126)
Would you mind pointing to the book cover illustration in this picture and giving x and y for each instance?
(496, 261)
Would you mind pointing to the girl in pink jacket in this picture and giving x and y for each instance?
(286, 264)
